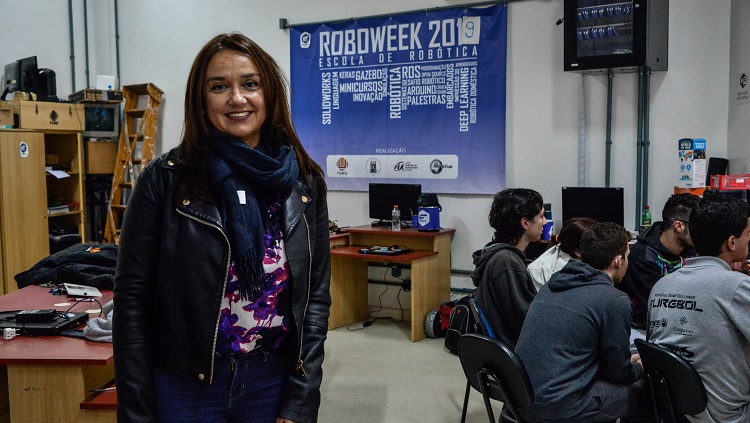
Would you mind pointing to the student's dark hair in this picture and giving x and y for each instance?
(714, 220)
(678, 207)
(571, 232)
(277, 128)
(602, 242)
(508, 207)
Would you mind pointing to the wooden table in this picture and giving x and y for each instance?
(45, 378)
(430, 272)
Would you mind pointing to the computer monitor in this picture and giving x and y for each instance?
(602, 204)
(20, 75)
(102, 120)
(384, 196)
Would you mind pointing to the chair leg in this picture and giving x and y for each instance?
(466, 402)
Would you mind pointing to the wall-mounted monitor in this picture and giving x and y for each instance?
(384, 196)
(614, 34)
(602, 204)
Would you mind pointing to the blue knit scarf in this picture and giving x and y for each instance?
(237, 174)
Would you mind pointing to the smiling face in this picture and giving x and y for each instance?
(234, 96)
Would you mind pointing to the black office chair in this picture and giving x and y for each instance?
(675, 384)
(482, 327)
(492, 368)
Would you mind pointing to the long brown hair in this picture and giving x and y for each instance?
(278, 126)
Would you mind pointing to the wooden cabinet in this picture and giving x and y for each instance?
(25, 189)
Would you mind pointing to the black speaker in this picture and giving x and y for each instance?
(715, 166)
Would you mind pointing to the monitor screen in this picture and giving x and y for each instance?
(384, 196)
(102, 120)
(602, 204)
(19, 75)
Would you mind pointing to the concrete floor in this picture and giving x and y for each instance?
(377, 375)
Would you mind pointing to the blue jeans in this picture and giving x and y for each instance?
(246, 389)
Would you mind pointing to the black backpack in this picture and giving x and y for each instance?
(461, 322)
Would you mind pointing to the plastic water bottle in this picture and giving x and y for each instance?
(645, 219)
(396, 218)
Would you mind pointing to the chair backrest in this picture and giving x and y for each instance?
(482, 326)
(507, 382)
(675, 384)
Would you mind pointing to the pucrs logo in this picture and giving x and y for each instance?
(304, 40)
(342, 164)
(436, 166)
(373, 166)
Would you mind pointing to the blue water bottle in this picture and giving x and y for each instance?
(548, 227)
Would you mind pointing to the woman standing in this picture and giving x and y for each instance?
(221, 291)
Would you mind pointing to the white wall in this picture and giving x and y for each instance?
(159, 39)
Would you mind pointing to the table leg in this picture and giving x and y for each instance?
(429, 290)
(349, 298)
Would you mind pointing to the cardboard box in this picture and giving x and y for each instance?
(730, 182)
(6, 117)
(100, 156)
(47, 115)
(96, 96)
(692, 153)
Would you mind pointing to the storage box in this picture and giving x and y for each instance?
(46, 115)
(98, 96)
(6, 117)
(692, 153)
(100, 156)
(730, 182)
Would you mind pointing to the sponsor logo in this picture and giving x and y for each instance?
(304, 40)
(436, 166)
(373, 166)
(681, 351)
(405, 167)
(743, 80)
(661, 323)
(677, 304)
(342, 164)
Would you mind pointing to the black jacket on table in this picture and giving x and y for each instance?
(171, 272)
(504, 289)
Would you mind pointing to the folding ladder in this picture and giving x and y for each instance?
(134, 150)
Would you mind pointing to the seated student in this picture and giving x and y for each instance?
(504, 288)
(702, 311)
(574, 342)
(557, 256)
(659, 251)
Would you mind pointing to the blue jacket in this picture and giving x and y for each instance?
(171, 272)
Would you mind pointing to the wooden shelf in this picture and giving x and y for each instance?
(25, 188)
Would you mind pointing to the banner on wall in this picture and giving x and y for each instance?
(411, 98)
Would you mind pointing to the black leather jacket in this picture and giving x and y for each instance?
(171, 273)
